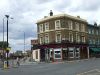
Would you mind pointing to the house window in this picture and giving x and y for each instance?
(46, 26)
(77, 26)
(97, 32)
(97, 42)
(41, 27)
(70, 37)
(92, 31)
(46, 38)
(77, 53)
(83, 39)
(57, 24)
(82, 27)
(71, 52)
(58, 37)
(41, 40)
(57, 53)
(70, 24)
(89, 31)
(94, 41)
(90, 41)
(36, 52)
(77, 37)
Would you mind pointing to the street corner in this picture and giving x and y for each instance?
(91, 72)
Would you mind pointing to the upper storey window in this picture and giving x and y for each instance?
(70, 24)
(41, 28)
(57, 24)
(97, 32)
(46, 38)
(92, 31)
(46, 26)
(58, 37)
(89, 31)
(77, 26)
(82, 27)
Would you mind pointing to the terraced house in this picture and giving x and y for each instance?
(63, 37)
(94, 39)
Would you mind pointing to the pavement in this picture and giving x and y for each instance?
(79, 67)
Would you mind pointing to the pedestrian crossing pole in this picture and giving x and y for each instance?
(7, 51)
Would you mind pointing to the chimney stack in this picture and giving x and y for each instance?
(51, 13)
(95, 24)
(78, 16)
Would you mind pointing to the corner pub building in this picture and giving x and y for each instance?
(62, 37)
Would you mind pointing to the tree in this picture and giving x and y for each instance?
(3, 44)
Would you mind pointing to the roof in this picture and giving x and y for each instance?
(93, 26)
(61, 15)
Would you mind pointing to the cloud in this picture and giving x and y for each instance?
(42, 1)
(27, 12)
(88, 5)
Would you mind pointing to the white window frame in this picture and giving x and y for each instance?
(57, 49)
(77, 37)
(83, 39)
(41, 40)
(41, 28)
(71, 37)
(83, 27)
(56, 38)
(71, 49)
(57, 27)
(70, 25)
(46, 35)
(77, 26)
(46, 26)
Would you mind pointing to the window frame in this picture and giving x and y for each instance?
(70, 25)
(57, 27)
(71, 37)
(46, 38)
(83, 27)
(41, 40)
(57, 39)
(41, 28)
(46, 26)
(77, 26)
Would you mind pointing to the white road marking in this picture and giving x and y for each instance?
(97, 70)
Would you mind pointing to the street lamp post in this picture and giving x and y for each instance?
(24, 42)
(7, 16)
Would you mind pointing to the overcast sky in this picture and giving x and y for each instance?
(27, 12)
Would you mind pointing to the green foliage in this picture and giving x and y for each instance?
(3, 44)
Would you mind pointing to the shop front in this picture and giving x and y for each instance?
(66, 52)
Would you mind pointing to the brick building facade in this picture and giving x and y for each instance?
(63, 37)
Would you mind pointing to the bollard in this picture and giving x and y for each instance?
(5, 65)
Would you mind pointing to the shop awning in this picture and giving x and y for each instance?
(95, 49)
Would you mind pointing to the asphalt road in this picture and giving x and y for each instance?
(65, 68)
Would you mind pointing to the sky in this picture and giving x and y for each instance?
(25, 14)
